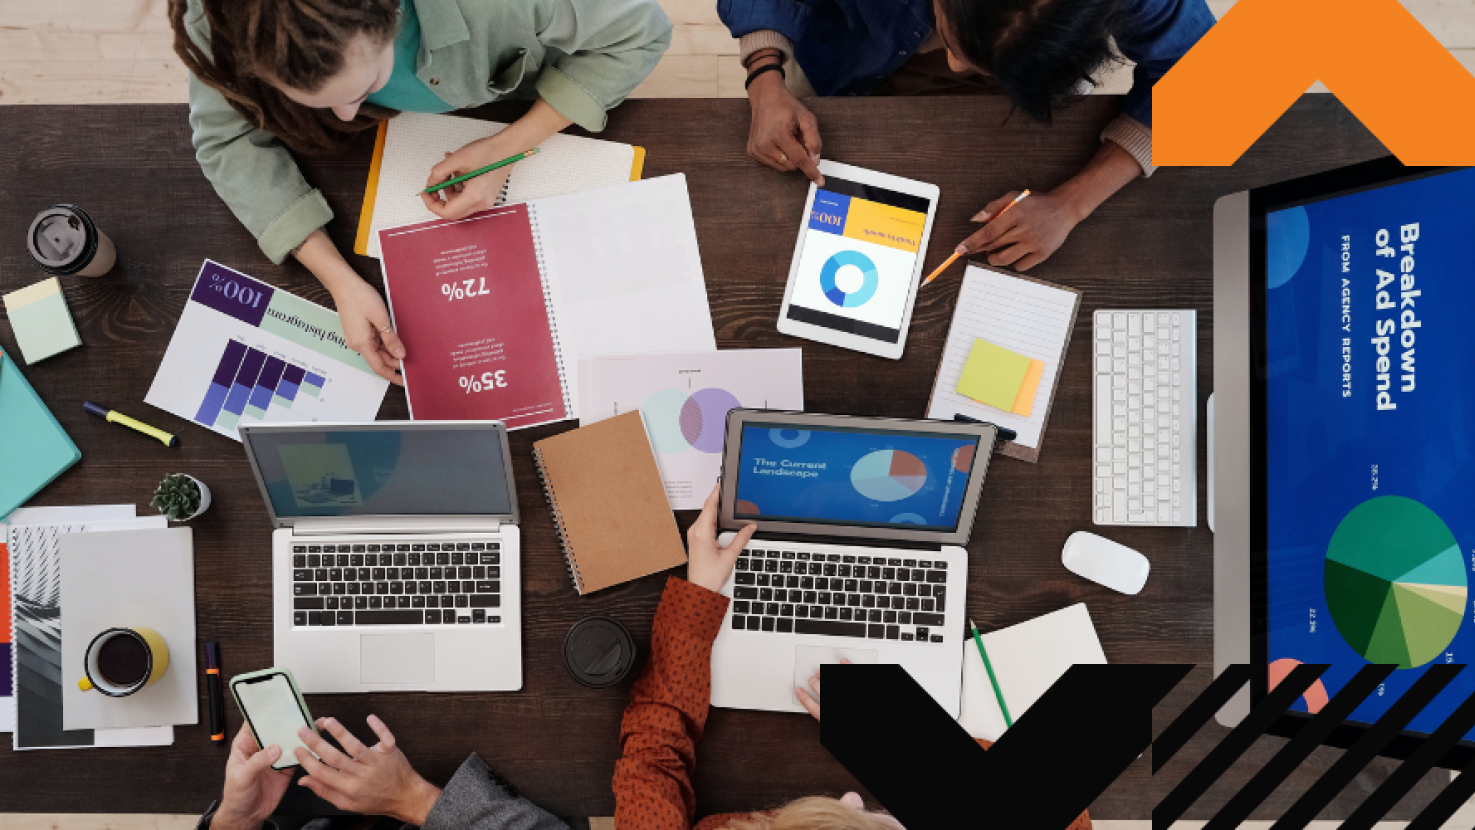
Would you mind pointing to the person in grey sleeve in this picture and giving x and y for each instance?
(371, 781)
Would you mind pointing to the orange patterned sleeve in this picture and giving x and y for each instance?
(667, 712)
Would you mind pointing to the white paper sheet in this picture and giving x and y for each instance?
(1022, 316)
(684, 400)
(120, 579)
(247, 352)
(624, 272)
(1027, 660)
(417, 142)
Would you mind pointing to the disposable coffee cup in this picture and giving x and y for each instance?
(598, 652)
(64, 241)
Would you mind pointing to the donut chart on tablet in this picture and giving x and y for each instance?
(870, 280)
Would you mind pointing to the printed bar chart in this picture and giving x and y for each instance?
(248, 382)
(220, 383)
(246, 351)
(287, 389)
(266, 386)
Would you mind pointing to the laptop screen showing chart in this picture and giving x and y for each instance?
(858, 477)
(1370, 440)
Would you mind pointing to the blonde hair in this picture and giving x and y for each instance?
(813, 813)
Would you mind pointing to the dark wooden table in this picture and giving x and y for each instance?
(133, 169)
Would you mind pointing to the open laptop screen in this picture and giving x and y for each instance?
(857, 477)
(381, 472)
(1369, 396)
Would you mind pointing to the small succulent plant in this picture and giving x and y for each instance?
(178, 497)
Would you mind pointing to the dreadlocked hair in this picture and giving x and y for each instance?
(299, 43)
(1039, 51)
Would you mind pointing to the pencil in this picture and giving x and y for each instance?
(489, 168)
(954, 258)
(988, 667)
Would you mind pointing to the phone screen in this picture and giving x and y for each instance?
(270, 705)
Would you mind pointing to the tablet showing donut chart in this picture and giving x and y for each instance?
(856, 265)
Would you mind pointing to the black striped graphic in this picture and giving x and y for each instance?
(881, 725)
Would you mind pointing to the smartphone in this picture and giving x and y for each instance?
(274, 709)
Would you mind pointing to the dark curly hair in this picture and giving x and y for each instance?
(1037, 50)
(300, 43)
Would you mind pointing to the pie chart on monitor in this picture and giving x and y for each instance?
(888, 475)
(1395, 582)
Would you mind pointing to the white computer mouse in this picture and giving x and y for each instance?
(1103, 561)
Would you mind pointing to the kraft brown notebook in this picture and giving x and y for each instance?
(609, 503)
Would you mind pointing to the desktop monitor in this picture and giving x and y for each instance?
(1344, 438)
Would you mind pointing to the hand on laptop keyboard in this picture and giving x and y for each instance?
(708, 564)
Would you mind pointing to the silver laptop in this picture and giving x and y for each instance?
(858, 554)
(395, 561)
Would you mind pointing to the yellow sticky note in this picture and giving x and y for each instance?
(1025, 403)
(994, 375)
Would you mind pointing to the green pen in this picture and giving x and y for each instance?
(474, 173)
(988, 667)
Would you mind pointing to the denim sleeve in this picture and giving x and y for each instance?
(787, 17)
(1155, 35)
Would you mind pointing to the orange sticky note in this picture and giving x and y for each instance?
(1025, 403)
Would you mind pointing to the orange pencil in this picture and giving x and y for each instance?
(950, 260)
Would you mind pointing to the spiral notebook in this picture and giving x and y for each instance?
(496, 309)
(608, 503)
(409, 144)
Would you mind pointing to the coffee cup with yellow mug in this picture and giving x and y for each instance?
(120, 661)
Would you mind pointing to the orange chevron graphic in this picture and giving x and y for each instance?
(1263, 54)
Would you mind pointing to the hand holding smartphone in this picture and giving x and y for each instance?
(274, 709)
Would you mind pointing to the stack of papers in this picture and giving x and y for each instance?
(48, 630)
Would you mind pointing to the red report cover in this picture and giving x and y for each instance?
(467, 299)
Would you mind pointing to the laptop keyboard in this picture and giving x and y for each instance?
(405, 583)
(840, 595)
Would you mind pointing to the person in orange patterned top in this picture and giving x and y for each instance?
(668, 711)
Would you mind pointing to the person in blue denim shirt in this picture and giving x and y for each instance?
(1039, 53)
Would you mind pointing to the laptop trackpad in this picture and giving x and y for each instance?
(397, 658)
(808, 659)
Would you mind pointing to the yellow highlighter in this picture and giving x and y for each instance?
(119, 418)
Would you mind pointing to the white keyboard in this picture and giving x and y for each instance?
(1144, 426)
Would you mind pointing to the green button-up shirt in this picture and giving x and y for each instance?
(581, 56)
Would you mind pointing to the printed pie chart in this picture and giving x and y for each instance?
(1395, 582)
(888, 475)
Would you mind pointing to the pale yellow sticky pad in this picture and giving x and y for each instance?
(993, 375)
(1025, 403)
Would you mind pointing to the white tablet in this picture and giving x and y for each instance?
(858, 260)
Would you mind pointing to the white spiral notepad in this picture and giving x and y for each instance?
(411, 143)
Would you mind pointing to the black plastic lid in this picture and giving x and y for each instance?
(598, 652)
(62, 240)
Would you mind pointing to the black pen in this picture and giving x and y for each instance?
(212, 685)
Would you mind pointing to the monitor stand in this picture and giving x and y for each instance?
(1211, 460)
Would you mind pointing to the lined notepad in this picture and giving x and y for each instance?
(1022, 315)
(412, 143)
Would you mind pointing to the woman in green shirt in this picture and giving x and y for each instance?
(268, 75)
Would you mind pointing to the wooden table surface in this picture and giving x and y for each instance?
(132, 168)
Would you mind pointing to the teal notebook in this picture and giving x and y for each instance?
(34, 449)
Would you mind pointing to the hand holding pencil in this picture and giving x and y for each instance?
(471, 178)
(963, 248)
